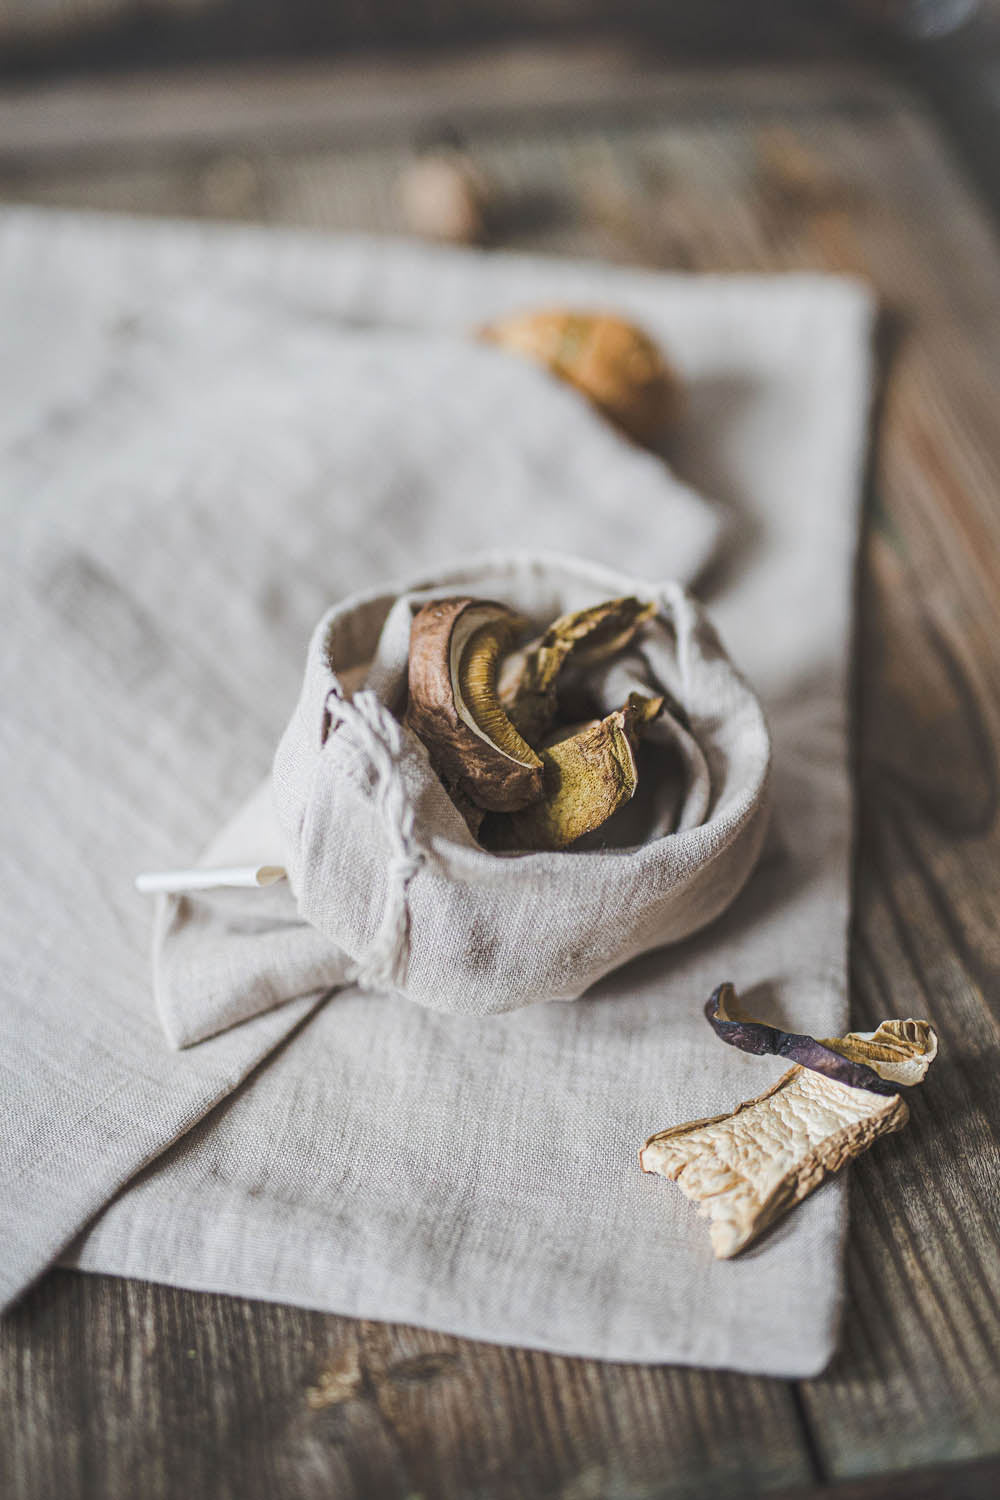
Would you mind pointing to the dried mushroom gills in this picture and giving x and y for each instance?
(609, 360)
(455, 645)
(477, 685)
(899, 1051)
(529, 678)
(587, 777)
(747, 1168)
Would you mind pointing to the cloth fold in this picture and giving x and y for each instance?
(223, 957)
(207, 434)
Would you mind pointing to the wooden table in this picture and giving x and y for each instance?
(120, 1388)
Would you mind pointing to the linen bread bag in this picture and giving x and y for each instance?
(382, 863)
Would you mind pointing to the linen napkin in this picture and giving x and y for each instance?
(206, 437)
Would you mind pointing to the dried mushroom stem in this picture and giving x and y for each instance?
(587, 777)
(529, 678)
(745, 1169)
(757, 1037)
(453, 708)
(614, 364)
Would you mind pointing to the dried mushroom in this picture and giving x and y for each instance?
(759, 1038)
(453, 707)
(588, 775)
(529, 678)
(488, 713)
(612, 362)
(443, 195)
(748, 1167)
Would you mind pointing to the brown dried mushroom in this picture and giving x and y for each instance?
(453, 706)
(748, 1167)
(529, 678)
(612, 362)
(588, 775)
(521, 781)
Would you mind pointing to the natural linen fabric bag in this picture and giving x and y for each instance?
(381, 861)
(206, 435)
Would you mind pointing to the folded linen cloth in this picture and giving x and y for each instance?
(208, 435)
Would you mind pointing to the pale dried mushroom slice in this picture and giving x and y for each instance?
(529, 678)
(613, 363)
(455, 645)
(747, 1168)
(588, 775)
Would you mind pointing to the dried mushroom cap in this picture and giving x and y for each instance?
(746, 1168)
(529, 678)
(611, 361)
(453, 708)
(587, 777)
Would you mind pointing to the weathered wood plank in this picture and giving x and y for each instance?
(120, 1388)
(974, 1481)
(302, 106)
(917, 1378)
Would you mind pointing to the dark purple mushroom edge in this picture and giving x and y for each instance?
(760, 1039)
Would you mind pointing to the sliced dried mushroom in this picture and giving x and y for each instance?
(453, 707)
(528, 682)
(611, 361)
(589, 773)
(746, 1168)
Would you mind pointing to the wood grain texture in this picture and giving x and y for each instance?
(120, 1388)
(352, 101)
(39, 35)
(972, 1481)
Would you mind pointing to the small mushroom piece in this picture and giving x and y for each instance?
(588, 775)
(747, 1168)
(529, 678)
(444, 196)
(610, 361)
(453, 707)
